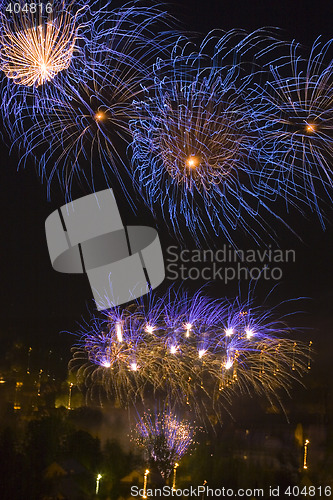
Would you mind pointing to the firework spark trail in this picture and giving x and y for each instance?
(194, 141)
(294, 108)
(195, 352)
(165, 438)
(78, 132)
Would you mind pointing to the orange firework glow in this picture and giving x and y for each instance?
(193, 161)
(33, 51)
(311, 128)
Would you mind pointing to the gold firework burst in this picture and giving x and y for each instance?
(33, 49)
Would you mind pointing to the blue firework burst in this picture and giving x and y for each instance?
(195, 141)
(295, 110)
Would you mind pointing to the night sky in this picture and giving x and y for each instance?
(38, 303)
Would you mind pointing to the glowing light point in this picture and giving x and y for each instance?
(149, 329)
(202, 352)
(44, 70)
(98, 478)
(193, 161)
(249, 333)
(106, 364)
(311, 128)
(100, 116)
(173, 349)
(188, 327)
(134, 367)
(119, 332)
(228, 364)
(229, 332)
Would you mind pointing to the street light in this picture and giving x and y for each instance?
(98, 478)
(174, 476)
(204, 484)
(28, 364)
(39, 382)
(69, 396)
(305, 460)
(18, 386)
(145, 479)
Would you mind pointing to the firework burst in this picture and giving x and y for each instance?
(74, 120)
(32, 49)
(194, 141)
(195, 352)
(295, 107)
(39, 42)
(165, 439)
